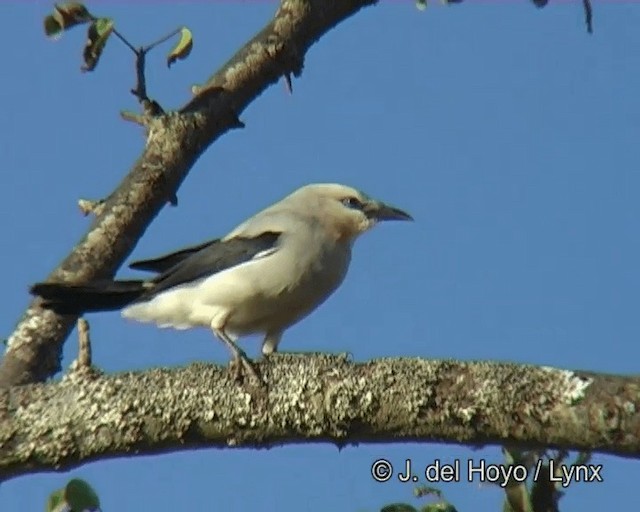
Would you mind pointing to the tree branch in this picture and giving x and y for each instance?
(315, 398)
(175, 140)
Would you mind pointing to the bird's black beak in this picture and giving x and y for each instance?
(381, 211)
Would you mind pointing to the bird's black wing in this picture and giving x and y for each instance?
(211, 259)
(165, 262)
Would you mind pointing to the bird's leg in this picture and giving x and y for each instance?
(240, 362)
(270, 344)
(270, 348)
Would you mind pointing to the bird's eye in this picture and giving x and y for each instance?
(352, 202)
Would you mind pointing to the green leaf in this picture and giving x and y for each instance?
(56, 501)
(183, 48)
(64, 17)
(51, 26)
(398, 507)
(80, 496)
(97, 36)
(442, 506)
(426, 490)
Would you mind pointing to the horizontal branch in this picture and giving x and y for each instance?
(174, 142)
(314, 398)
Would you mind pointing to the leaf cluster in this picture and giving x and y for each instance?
(68, 15)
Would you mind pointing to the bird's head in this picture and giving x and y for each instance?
(346, 211)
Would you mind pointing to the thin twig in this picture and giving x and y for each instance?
(149, 106)
(588, 15)
(88, 206)
(287, 81)
(133, 117)
(151, 46)
(124, 40)
(140, 90)
(84, 345)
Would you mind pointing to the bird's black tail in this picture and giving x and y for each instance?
(75, 299)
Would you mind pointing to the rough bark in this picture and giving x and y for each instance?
(174, 142)
(314, 398)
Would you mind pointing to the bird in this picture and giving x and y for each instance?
(267, 274)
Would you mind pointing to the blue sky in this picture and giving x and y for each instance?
(509, 134)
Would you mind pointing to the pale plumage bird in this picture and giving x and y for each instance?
(267, 274)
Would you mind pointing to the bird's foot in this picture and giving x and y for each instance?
(241, 365)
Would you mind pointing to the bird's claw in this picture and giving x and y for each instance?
(241, 365)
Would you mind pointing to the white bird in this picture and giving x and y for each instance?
(264, 276)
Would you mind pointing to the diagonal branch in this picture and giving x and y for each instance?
(315, 398)
(174, 142)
